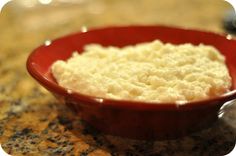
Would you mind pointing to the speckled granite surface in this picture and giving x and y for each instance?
(32, 122)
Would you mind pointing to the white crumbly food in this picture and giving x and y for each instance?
(153, 72)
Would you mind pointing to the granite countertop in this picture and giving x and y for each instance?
(33, 122)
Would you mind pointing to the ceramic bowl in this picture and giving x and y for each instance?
(140, 120)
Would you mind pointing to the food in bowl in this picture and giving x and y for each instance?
(134, 118)
(151, 71)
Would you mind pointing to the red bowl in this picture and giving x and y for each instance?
(141, 120)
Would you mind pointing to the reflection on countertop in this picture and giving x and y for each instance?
(32, 122)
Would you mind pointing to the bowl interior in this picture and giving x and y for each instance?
(40, 60)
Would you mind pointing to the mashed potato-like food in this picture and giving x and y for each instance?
(147, 71)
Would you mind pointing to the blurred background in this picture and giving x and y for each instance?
(25, 24)
(43, 19)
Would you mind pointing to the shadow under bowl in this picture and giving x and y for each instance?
(140, 120)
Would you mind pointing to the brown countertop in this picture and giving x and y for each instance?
(32, 122)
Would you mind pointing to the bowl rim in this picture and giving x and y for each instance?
(124, 104)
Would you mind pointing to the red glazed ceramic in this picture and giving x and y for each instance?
(142, 120)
